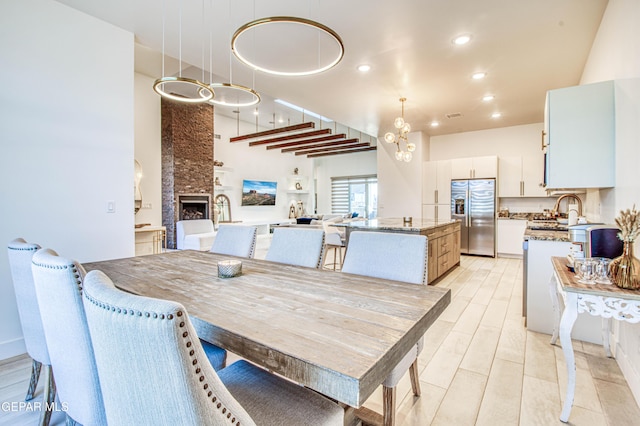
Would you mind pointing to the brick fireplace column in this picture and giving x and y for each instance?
(187, 157)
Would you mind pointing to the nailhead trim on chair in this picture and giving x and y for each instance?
(253, 243)
(319, 265)
(426, 255)
(73, 266)
(185, 335)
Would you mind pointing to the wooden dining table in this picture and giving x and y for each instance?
(339, 334)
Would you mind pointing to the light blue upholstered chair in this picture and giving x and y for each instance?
(20, 255)
(398, 257)
(296, 246)
(153, 370)
(58, 284)
(235, 241)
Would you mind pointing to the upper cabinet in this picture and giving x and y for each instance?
(521, 177)
(474, 167)
(580, 136)
(436, 190)
(436, 182)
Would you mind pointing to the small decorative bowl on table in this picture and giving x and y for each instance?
(229, 268)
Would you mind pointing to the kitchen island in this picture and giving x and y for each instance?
(443, 238)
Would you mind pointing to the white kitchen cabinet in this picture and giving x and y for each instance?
(474, 167)
(533, 176)
(580, 140)
(521, 177)
(436, 182)
(437, 212)
(436, 190)
(510, 235)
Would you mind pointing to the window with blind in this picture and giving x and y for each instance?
(357, 194)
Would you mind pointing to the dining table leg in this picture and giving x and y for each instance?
(569, 317)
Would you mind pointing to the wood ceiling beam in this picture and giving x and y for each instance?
(293, 128)
(336, 148)
(308, 141)
(372, 148)
(291, 137)
(321, 145)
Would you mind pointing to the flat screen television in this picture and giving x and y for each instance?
(258, 193)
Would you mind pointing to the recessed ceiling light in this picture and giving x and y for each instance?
(462, 39)
(364, 68)
(479, 75)
(488, 98)
(496, 115)
(434, 124)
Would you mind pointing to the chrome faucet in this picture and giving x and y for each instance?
(562, 197)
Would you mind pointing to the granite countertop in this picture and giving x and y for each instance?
(395, 224)
(546, 235)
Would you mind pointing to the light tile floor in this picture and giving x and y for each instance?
(480, 366)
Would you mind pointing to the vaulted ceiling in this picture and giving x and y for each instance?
(524, 47)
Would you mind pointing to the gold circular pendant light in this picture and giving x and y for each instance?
(252, 26)
(180, 88)
(183, 89)
(234, 95)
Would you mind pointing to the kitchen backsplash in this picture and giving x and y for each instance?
(526, 205)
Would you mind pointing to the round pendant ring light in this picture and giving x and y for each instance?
(275, 20)
(185, 87)
(227, 91)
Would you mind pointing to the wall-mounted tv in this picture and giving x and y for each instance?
(258, 193)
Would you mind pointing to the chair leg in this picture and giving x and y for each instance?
(49, 397)
(415, 381)
(33, 383)
(388, 406)
(335, 260)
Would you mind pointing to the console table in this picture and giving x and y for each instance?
(150, 240)
(608, 301)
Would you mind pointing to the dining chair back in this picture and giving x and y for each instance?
(392, 256)
(296, 246)
(399, 257)
(154, 371)
(58, 283)
(20, 255)
(235, 240)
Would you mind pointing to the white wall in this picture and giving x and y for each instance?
(357, 164)
(615, 55)
(400, 183)
(66, 126)
(505, 141)
(260, 164)
(148, 149)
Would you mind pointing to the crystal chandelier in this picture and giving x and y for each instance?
(403, 129)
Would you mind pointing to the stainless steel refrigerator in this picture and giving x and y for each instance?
(473, 203)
